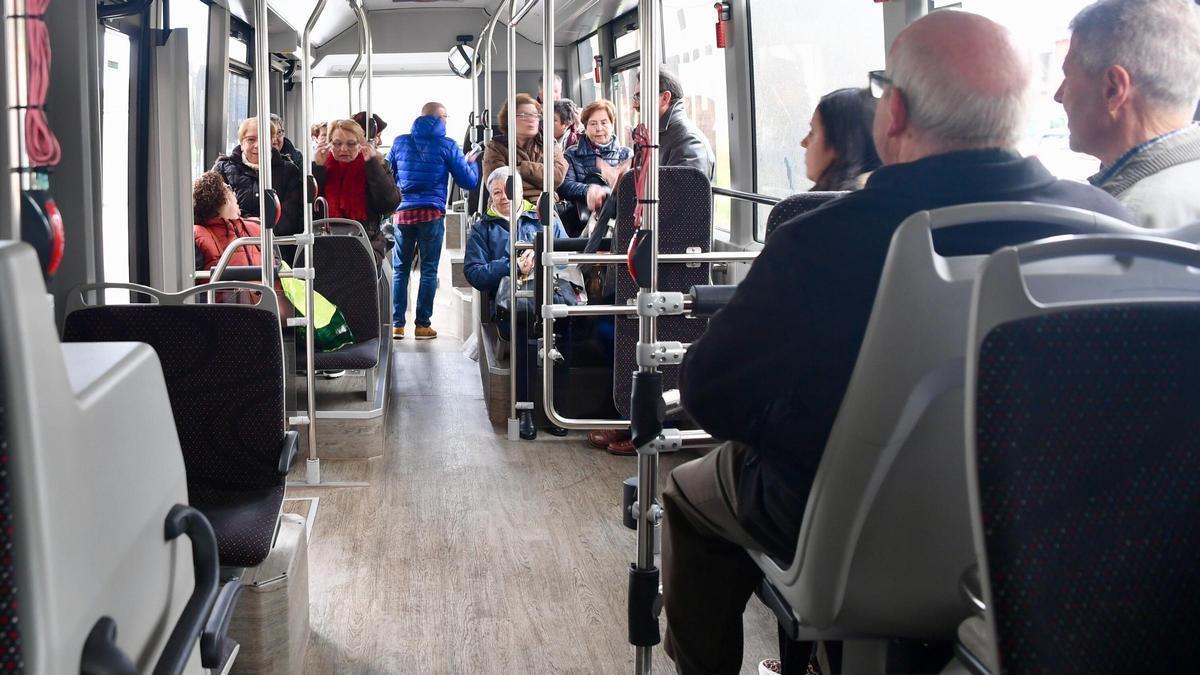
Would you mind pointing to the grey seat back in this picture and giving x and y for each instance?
(94, 468)
(886, 536)
(685, 222)
(796, 205)
(1083, 452)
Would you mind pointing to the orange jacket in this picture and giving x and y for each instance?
(213, 237)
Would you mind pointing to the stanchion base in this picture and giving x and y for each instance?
(514, 430)
(313, 471)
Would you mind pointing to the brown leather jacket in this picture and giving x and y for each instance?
(529, 163)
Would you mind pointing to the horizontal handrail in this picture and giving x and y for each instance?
(752, 197)
(669, 258)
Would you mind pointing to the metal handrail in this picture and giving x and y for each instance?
(663, 258)
(752, 197)
(262, 87)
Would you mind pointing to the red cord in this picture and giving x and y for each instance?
(42, 146)
(641, 161)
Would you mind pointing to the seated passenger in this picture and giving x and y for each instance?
(839, 151)
(218, 221)
(240, 170)
(680, 142)
(319, 135)
(282, 143)
(566, 123)
(596, 162)
(952, 109)
(1131, 86)
(529, 148)
(486, 264)
(356, 182)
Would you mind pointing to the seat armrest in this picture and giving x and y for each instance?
(215, 645)
(288, 451)
(973, 647)
(972, 590)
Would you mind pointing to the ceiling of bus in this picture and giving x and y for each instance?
(574, 19)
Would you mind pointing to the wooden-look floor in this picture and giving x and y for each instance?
(472, 554)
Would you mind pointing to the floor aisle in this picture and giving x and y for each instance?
(469, 554)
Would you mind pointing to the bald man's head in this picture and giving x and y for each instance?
(433, 109)
(964, 84)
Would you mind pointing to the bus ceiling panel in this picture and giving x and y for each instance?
(574, 19)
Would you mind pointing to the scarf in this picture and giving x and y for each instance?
(249, 163)
(346, 188)
(526, 206)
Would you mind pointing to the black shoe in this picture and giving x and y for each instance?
(528, 431)
(556, 431)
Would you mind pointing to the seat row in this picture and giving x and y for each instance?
(1038, 435)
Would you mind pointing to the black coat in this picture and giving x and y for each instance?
(287, 183)
(774, 365)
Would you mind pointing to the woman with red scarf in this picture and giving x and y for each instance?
(356, 181)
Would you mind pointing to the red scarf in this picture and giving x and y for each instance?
(346, 188)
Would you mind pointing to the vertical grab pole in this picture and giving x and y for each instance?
(646, 403)
(547, 211)
(17, 92)
(364, 30)
(313, 466)
(486, 118)
(262, 87)
(515, 197)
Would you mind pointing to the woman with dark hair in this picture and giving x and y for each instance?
(529, 148)
(840, 149)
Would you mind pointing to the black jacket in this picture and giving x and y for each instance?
(680, 142)
(285, 177)
(773, 366)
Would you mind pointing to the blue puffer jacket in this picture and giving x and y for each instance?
(485, 261)
(581, 160)
(422, 162)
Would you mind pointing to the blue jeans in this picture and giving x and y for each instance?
(426, 238)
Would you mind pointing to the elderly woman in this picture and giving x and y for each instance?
(240, 170)
(529, 148)
(355, 181)
(486, 263)
(596, 162)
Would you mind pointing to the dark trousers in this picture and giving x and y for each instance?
(707, 575)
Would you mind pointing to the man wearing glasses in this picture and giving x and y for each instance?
(951, 110)
(422, 162)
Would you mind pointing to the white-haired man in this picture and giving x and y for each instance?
(950, 112)
(1132, 80)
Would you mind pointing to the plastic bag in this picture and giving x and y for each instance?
(330, 330)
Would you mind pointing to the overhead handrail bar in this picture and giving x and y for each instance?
(663, 258)
(752, 197)
(368, 48)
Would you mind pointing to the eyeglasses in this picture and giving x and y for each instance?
(528, 116)
(879, 82)
(349, 145)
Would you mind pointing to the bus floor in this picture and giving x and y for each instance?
(472, 554)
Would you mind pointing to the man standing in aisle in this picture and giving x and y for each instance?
(422, 162)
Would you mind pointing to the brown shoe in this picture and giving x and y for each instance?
(622, 447)
(600, 439)
(425, 333)
(397, 332)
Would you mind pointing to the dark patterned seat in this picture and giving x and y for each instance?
(349, 278)
(223, 366)
(12, 658)
(797, 204)
(685, 221)
(1088, 455)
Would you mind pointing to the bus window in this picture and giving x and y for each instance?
(691, 52)
(625, 85)
(588, 49)
(803, 50)
(239, 90)
(114, 152)
(398, 100)
(1042, 28)
(193, 16)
